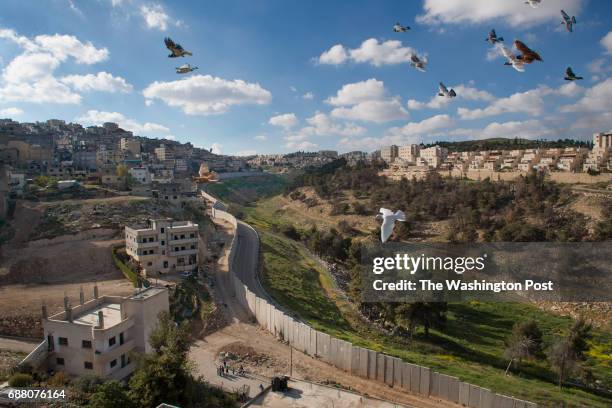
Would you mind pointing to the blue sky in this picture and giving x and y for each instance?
(278, 76)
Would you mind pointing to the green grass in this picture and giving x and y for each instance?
(244, 190)
(470, 347)
(129, 274)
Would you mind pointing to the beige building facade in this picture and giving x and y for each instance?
(98, 336)
(165, 246)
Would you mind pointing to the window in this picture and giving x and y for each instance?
(149, 263)
(183, 236)
(123, 361)
(150, 239)
(162, 230)
(163, 242)
(176, 248)
(113, 363)
(112, 341)
(62, 341)
(59, 361)
(88, 365)
(193, 247)
(120, 338)
(192, 235)
(86, 343)
(165, 264)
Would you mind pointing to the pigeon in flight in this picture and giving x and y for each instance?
(570, 76)
(533, 3)
(398, 28)
(444, 91)
(185, 68)
(513, 60)
(175, 49)
(418, 63)
(568, 21)
(527, 54)
(389, 217)
(493, 38)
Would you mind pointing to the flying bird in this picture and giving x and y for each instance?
(568, 21)
(533, 3)
(570, 76)
(185, 68)
(389, 217)
(175, 49)
(493, 38)
(398, 28)
(513, 60)
(418, 63)
(527, 54)
(444, 91)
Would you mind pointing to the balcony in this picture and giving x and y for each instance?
(142, 245)
(187, 251)
(106, 356)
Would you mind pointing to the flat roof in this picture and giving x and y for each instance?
(111, 312)
(147, 293)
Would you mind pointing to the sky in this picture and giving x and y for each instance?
(278, 76)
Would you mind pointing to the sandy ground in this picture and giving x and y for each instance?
(240, 329)
(44, 270)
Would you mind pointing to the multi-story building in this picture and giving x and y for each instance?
(389, 153)
(164, 153)
(130, 145)
(434, 156)
(97, 336)
(140, 174)
(164, 246)
(409, 152)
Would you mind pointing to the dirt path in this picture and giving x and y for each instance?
(241, 330)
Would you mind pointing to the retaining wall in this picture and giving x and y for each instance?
(359, 361)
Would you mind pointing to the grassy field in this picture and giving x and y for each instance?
(470, 347)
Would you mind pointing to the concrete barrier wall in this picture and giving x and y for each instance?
(359, 361)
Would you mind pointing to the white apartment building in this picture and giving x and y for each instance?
(97, 336)
(434, 156)
(599, 158)
(409, 152)
(389, 153)
(140, 174)
(166, 246)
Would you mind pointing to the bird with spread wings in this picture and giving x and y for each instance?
(175, 49)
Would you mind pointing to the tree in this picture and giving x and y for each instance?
(162, 375)
(567, 353)
(111, 394)
(425, 314)
(524, 342)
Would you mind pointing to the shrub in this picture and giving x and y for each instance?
(59, 379)
(20, 380)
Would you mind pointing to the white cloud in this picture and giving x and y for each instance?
(286, 121)
(11, 112)
(64, 46)
(352, 94)
(373, 111)
(371, 51)
(336, 55)
(29, 77)
(530, 102)
(261, 137)
(95, 117)
(207, 95)
(155, 16)
(463, 92)
(596, 99)
(303, 146)
(514, 12)
(216, 148)
(308, 96)
(366, 101)
(428, 125)
(606, 42)
(102, 81)
(293, 88)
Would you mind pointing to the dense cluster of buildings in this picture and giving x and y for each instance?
(297, 160)
(414, 159)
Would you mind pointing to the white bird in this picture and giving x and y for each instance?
(389, 217)
(533, 3)
(513, 60)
